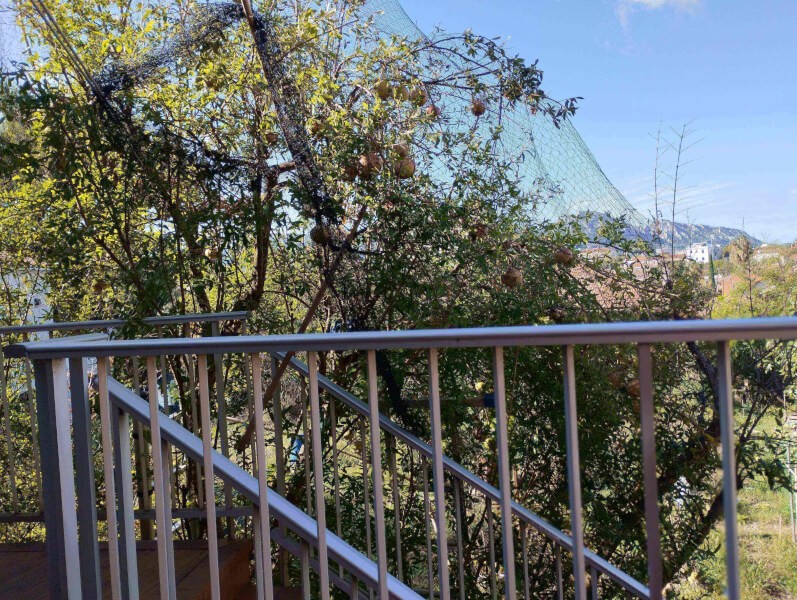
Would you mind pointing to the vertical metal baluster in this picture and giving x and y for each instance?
(210, 491)
(354, 588)
(366, 496)
(195, 417)
(263, 512)
(366, 489)
(280, 456)
(794, 497)
(260, 567)
(594, 575)
(504, 473)
(308, 485)
(124, 494)
(167, 409)
(791, 493)
(728, 469)
(396, 505)
(437, 475)
(163, 516)
(196, 421)
(91, 583)
(247, 369)
(560, 587)
(37, 465)
(574, 473)
(318, 475)
(110, 488)
(12, 468)
(221, 408)
(58, 479)
(123, 479)
(376, 468)
(648, 429)
(142, 462)
(427, 513)
(793, 500)
(305, 562)
(458, 521)
(491, 548)
(525, 541)
(333, 419)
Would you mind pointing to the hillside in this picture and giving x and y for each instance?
(683, 234)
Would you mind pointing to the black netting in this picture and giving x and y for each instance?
(536, 147)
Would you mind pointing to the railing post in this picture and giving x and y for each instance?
(58, 480)
(560, 586)
(167, 408)
(648, 427)
(124, 495)
(12, 471)
(333, 420)
(504, 478)
(84, 467)
(376, 467)
(210, 493)
(263, 549)
(308, 447)
(279, 451)
(396, 503)
(110, 474)
(34, 438)
(574, 473)
(459, 527)
(437, 475)
(728, 470)
(195, 418)
(162, 481)
(221, 409)
(366, 491)
(427, 513)
(318, 475)
(488, 507)
(141, 459)
(525, 550)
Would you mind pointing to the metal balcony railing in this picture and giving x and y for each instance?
(324, 416)
(19, 443)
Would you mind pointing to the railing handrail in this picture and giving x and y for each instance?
(521, 512)
(643, 332)
(298, 522)
(112, 323)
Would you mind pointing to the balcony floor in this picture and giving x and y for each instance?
(23, 570)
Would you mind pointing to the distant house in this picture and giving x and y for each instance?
(699, 253)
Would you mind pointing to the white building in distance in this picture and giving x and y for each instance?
(698, 252)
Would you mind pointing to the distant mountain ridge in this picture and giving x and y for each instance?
(682, 234)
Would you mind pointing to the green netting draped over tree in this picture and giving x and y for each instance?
(545, 151)
(546, 154)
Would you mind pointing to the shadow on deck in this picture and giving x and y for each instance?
(23, 570)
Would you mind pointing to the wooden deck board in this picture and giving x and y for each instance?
(23, 570)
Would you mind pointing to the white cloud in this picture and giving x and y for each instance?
(627, 7)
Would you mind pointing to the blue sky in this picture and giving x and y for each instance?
(729, 66)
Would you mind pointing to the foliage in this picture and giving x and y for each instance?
(180, 192)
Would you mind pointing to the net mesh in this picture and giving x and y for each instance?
(544, 154)
(540, 150)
